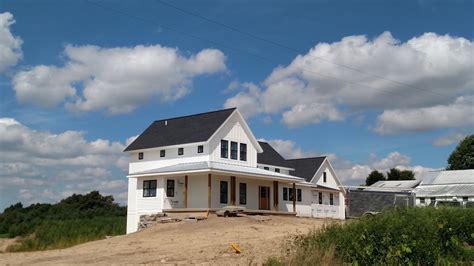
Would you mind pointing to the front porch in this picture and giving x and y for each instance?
(213, 210)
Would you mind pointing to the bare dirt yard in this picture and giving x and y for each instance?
(185, 242)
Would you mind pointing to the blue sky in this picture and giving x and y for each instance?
(406, 104)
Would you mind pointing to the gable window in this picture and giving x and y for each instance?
(324, 177)
(224, 149)
(320, 198)
(140, 156)
(180, 151)
(277, 170)
(285, 193)
(170, 188)
(223, 194)
(243, 152)
(243, 193)
(298, 195)
(290, 194)
(200, 149)
(331, 199)
(233, 150)
(266, 168)
(162, 153)
(422, 200)
(149, 188)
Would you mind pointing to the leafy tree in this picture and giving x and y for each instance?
(463, 156)
(373, 177)
(395, 174)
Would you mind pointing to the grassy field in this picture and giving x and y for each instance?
(424, 236)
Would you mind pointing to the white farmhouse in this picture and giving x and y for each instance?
(207, 161)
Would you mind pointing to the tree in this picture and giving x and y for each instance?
(463, 156)
(395, 174)
(373, 177)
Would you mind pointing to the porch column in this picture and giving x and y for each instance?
(232, 191)
(294, 197)
(185, 191)
(209, 191)
(275, 195)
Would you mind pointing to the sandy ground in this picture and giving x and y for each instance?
(203, 242)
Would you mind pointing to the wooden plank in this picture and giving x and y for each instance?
(185, 191)
(209, 191)
(275, 195)
(294, 197)
(232, 190)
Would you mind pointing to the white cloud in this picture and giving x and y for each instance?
(10, 46)
(452, 138)
(41, 165)
(288, 149)
(305, 92)
(115, 79)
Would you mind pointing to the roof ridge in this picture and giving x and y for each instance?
(183, 116)
(305, 158)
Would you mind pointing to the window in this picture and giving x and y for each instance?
(298, 195)
(242, 193)
(200, 149)
(285, 193)
(149, 188)
(331, 199)
(422, 200)
(324, 177)
(180, 151)
(170, 188)
(223, 192)
(243, 152)
(224, 149)
(162, 153)
(277, 170)
(266, 168)
(320, 198)
(233, 150)
(465, 198)
(140, 156)
(290, 194)
(432, 201)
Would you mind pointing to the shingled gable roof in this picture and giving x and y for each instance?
(271, 157)
(306, 167)
(180, 130)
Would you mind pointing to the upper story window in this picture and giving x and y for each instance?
(233, 150)
(266, 168)
(277, 170)
(224, 148)
(170, 188)
(180, 151)
(200, 149)
(140, 156)
(149, 188)
(324, 177)
(243, 152)
(162, 153)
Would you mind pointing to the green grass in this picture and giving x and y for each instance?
(424, 236)
(5, 235)
(67, 233)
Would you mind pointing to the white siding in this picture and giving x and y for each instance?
(330, 178)
(272, 168)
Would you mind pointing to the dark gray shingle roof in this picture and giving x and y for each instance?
(271, 156)
(306, 167)
(180, 130)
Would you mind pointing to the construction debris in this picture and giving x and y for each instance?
(147, 221)
(236, 248)
(195, 218)
(260, 218)
(230, 211)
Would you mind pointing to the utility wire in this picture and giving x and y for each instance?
(296, 51)
(263, 58)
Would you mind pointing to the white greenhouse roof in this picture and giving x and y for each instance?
(447, 177)
(216, 166)
(396, 184)
(448, 190)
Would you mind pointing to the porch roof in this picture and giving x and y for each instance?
(210, 166)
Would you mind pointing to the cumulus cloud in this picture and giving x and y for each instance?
(289, 149)
(427, 71)
(115, 79)
(40, 166)
(452, 138)
(10, 45)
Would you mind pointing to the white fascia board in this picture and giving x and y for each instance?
(338, 182)
(170, 173)
(317, 171)
(169, 147)
(249, 131)
(275, 166)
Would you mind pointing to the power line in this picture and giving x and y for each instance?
(263, 58)
(254, 36)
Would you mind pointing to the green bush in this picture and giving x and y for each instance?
(398, 236)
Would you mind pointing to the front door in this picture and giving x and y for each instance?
(264, 198)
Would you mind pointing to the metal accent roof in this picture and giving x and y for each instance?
(445, 190)
(448, 177)
(396, 183)
(217, 166)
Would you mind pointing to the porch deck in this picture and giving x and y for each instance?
(247, 211)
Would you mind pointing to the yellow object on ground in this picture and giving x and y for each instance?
(234, 246)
